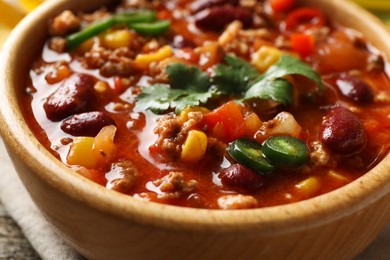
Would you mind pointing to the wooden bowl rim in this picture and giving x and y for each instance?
(270, 220)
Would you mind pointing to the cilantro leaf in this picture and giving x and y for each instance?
(191, 99)
(189, 86)
(289, 65)
(157, 98)
(186, 77)
(279, 90)
(235, 76)
(271, 84)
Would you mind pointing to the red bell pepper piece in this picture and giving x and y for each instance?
(281, 5)
(227, 122)
(303, 18)
(302, 43)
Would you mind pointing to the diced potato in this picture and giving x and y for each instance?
(144, 60)
(81, 152)
(117, 38)
(194, 147)
(265, 57)
(104, 148)
(283, 123)
(253, 123)
(308, 187)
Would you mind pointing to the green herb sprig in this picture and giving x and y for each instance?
(189, 86)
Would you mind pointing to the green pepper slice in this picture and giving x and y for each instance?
(151, 28)
(286, 151)
(127, 19)
(249, 153)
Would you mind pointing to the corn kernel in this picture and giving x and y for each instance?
(194, 147)
(104, 148)
(308, 187)
(116, 39)
(253, 123)
(100, 87)
(265, 57)
(183, 117)
(144, 60)
(81, 152)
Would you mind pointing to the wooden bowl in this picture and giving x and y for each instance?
(103, 224)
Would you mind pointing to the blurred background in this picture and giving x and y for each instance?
(13, 10)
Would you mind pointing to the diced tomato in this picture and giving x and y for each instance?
(227, 122)
(164, 14)
(119, 87)
(302, 43)
(303, 18)
(281, 5)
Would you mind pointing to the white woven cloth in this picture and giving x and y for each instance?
(50, 246)
(21, 208)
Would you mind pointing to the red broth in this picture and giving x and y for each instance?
(345, 127)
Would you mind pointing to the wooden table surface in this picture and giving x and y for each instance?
(13, 244)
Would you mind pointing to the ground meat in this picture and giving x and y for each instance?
(174, 186)
(194, 118)
(236, 40)
(321, 34)
(237, 202)
(57, 44)
(216, 148)
(128, 176)
(143, 4)
(168, 128)
(110, 62)
(64, 23)
(97, 15)
(282, 42)
(319, 156)
(172, 133)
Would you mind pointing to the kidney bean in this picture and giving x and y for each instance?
(218, 17)
(200, 5)
(241, 177)
(86, 124)
(180, 42)
(342, 132)
(355, 89)
(71, 97)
